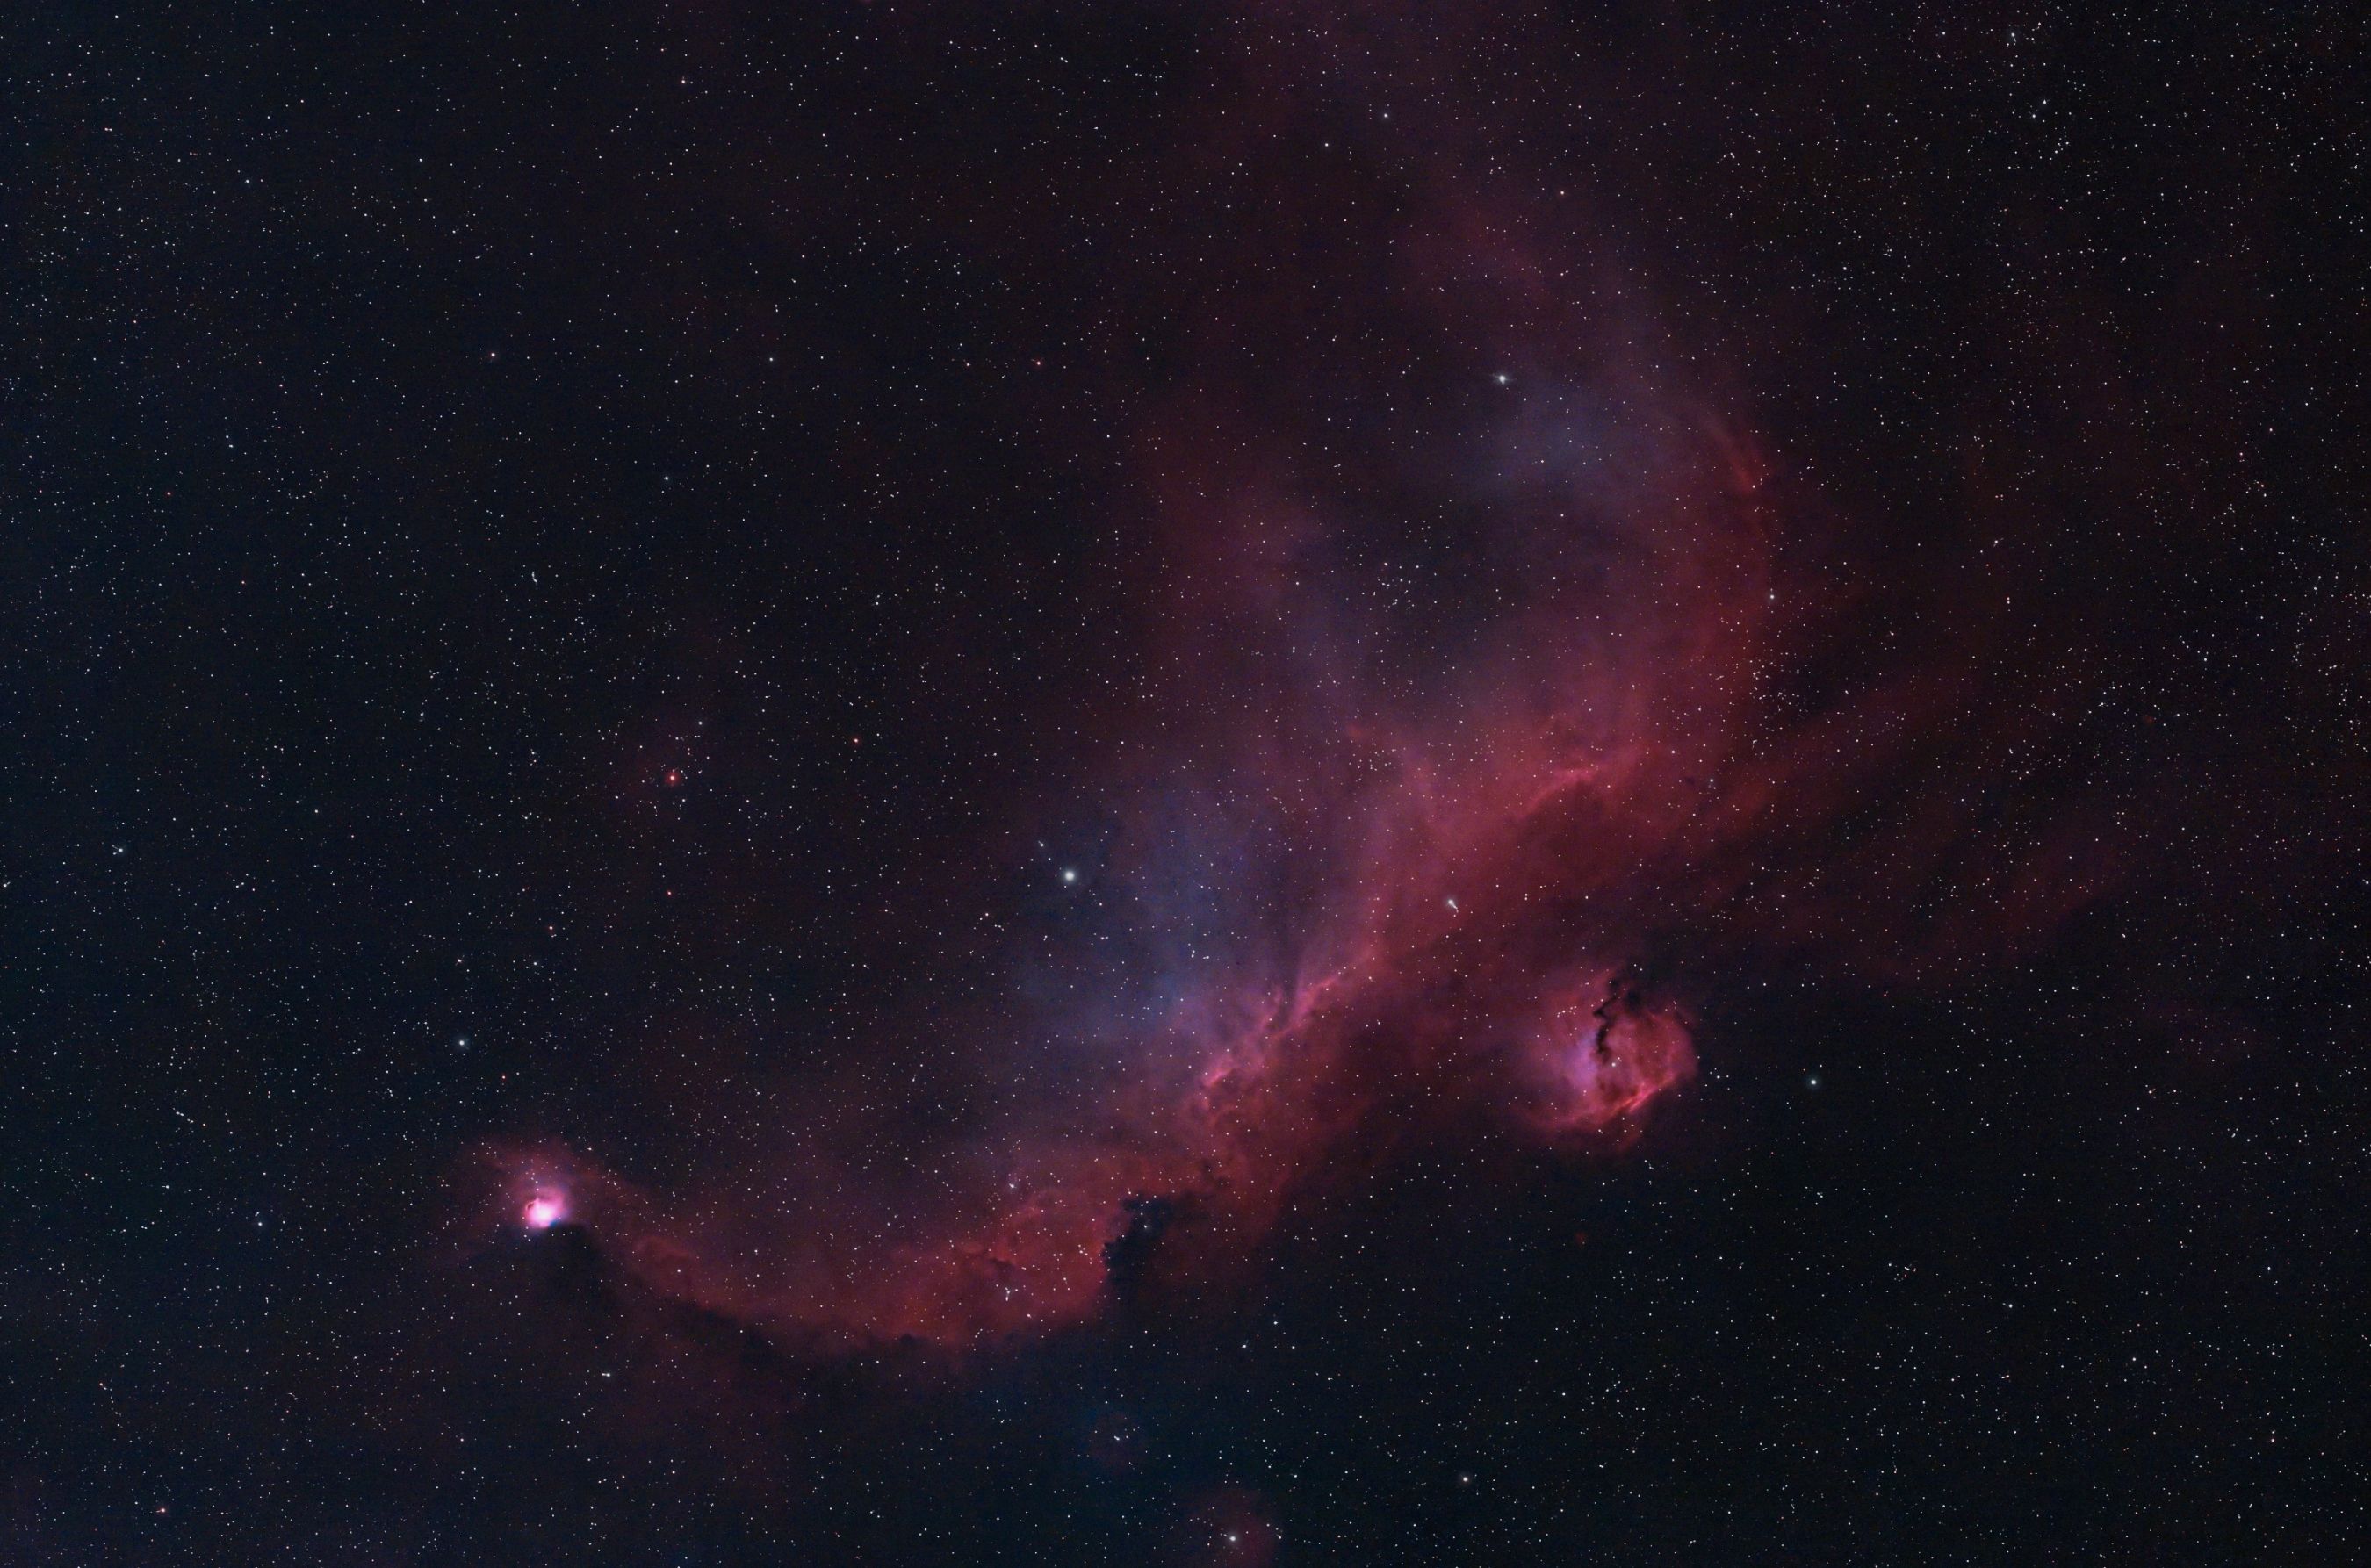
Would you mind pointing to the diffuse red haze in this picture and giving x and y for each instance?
(1454, 776)
(1426, 1010)
(1467, 950)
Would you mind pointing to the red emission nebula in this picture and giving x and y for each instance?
(1230, 784)
(1485, 847)
(1460, 804)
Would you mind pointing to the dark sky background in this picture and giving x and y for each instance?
(1221, 783)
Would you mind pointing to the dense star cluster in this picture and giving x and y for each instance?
(1268, 782)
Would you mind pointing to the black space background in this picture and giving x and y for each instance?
(424, 426)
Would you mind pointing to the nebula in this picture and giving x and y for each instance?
(1227, 782)
(1379, 882)
(1446, 725)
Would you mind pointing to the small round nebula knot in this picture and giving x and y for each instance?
(544, 1210)
(1606, 1054)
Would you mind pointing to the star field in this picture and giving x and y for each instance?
(1246, 784)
